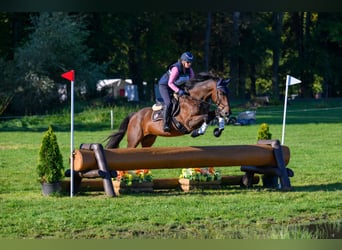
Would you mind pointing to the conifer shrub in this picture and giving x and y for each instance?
(50, 163)
(264, 132)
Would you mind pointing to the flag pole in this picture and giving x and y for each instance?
(289, 81)
(72, 141)
(285, 107)
(70, 75)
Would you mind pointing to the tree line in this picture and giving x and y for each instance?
(256, 49)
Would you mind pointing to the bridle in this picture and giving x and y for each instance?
(220, 106)
(220, 91)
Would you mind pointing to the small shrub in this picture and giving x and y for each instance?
(50, 164)
(264, 132)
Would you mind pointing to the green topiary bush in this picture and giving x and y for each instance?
(50, 164)
(264, 132)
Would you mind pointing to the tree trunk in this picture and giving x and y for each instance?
(277, 29)
(207, 42)
(234, 61)
(135, 61)
(253, 78)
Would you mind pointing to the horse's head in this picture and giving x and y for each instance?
(207, 86)
(221, 97)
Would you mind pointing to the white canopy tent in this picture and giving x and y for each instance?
(119, 88)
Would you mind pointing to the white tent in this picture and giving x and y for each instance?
(119, 88)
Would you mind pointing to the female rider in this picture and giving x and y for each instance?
(172, 81)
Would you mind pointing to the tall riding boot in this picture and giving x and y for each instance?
(167, 118)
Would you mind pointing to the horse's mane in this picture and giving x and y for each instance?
(199, 78)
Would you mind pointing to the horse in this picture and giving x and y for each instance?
(193, 111)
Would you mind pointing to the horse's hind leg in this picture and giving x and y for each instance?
(148, 140)
(133, 140)
(134, 136)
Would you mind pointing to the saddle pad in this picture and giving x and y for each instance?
(157, 107)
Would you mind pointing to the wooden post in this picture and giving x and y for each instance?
(102, 164)
(278, 155)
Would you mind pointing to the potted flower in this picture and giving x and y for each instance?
(50, 164)
(199, 177)
(133, 181)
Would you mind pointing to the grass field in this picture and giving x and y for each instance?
(311, 210)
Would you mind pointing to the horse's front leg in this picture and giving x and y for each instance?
(196, 121)
(217, 131)
(199, 125)
(200, 131)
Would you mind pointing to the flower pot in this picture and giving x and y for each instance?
(51, 188)
(187, 185)
(122, 188)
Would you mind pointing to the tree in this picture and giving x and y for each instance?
(276, 49)
(255, 49)
(56, 44)
(253, 52)
(328, 44)
(234, 61)
(207, 43)
(13, 31)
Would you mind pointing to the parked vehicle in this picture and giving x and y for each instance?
(246, 118)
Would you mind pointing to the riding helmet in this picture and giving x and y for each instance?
(187, 56)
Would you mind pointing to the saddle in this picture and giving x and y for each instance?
(158, 109)
(158, 113)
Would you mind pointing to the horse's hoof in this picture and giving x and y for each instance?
(195, 134)
(217, 132)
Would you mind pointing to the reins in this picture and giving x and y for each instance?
(209, 103)
(199, 100)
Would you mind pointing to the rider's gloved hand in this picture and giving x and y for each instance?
(182, 92)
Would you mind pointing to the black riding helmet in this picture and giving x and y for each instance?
(187, 56)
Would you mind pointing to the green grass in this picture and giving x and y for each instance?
(313, 134)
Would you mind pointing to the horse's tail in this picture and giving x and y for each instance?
(115, 138)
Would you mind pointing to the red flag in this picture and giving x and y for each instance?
(70, 75)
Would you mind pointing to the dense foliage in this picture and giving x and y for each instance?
(256, 49)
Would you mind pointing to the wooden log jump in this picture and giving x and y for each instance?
(180, 157)
(264, 157)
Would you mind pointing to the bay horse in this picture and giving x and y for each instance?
(193, 111)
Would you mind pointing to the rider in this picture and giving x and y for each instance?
(171, 82)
